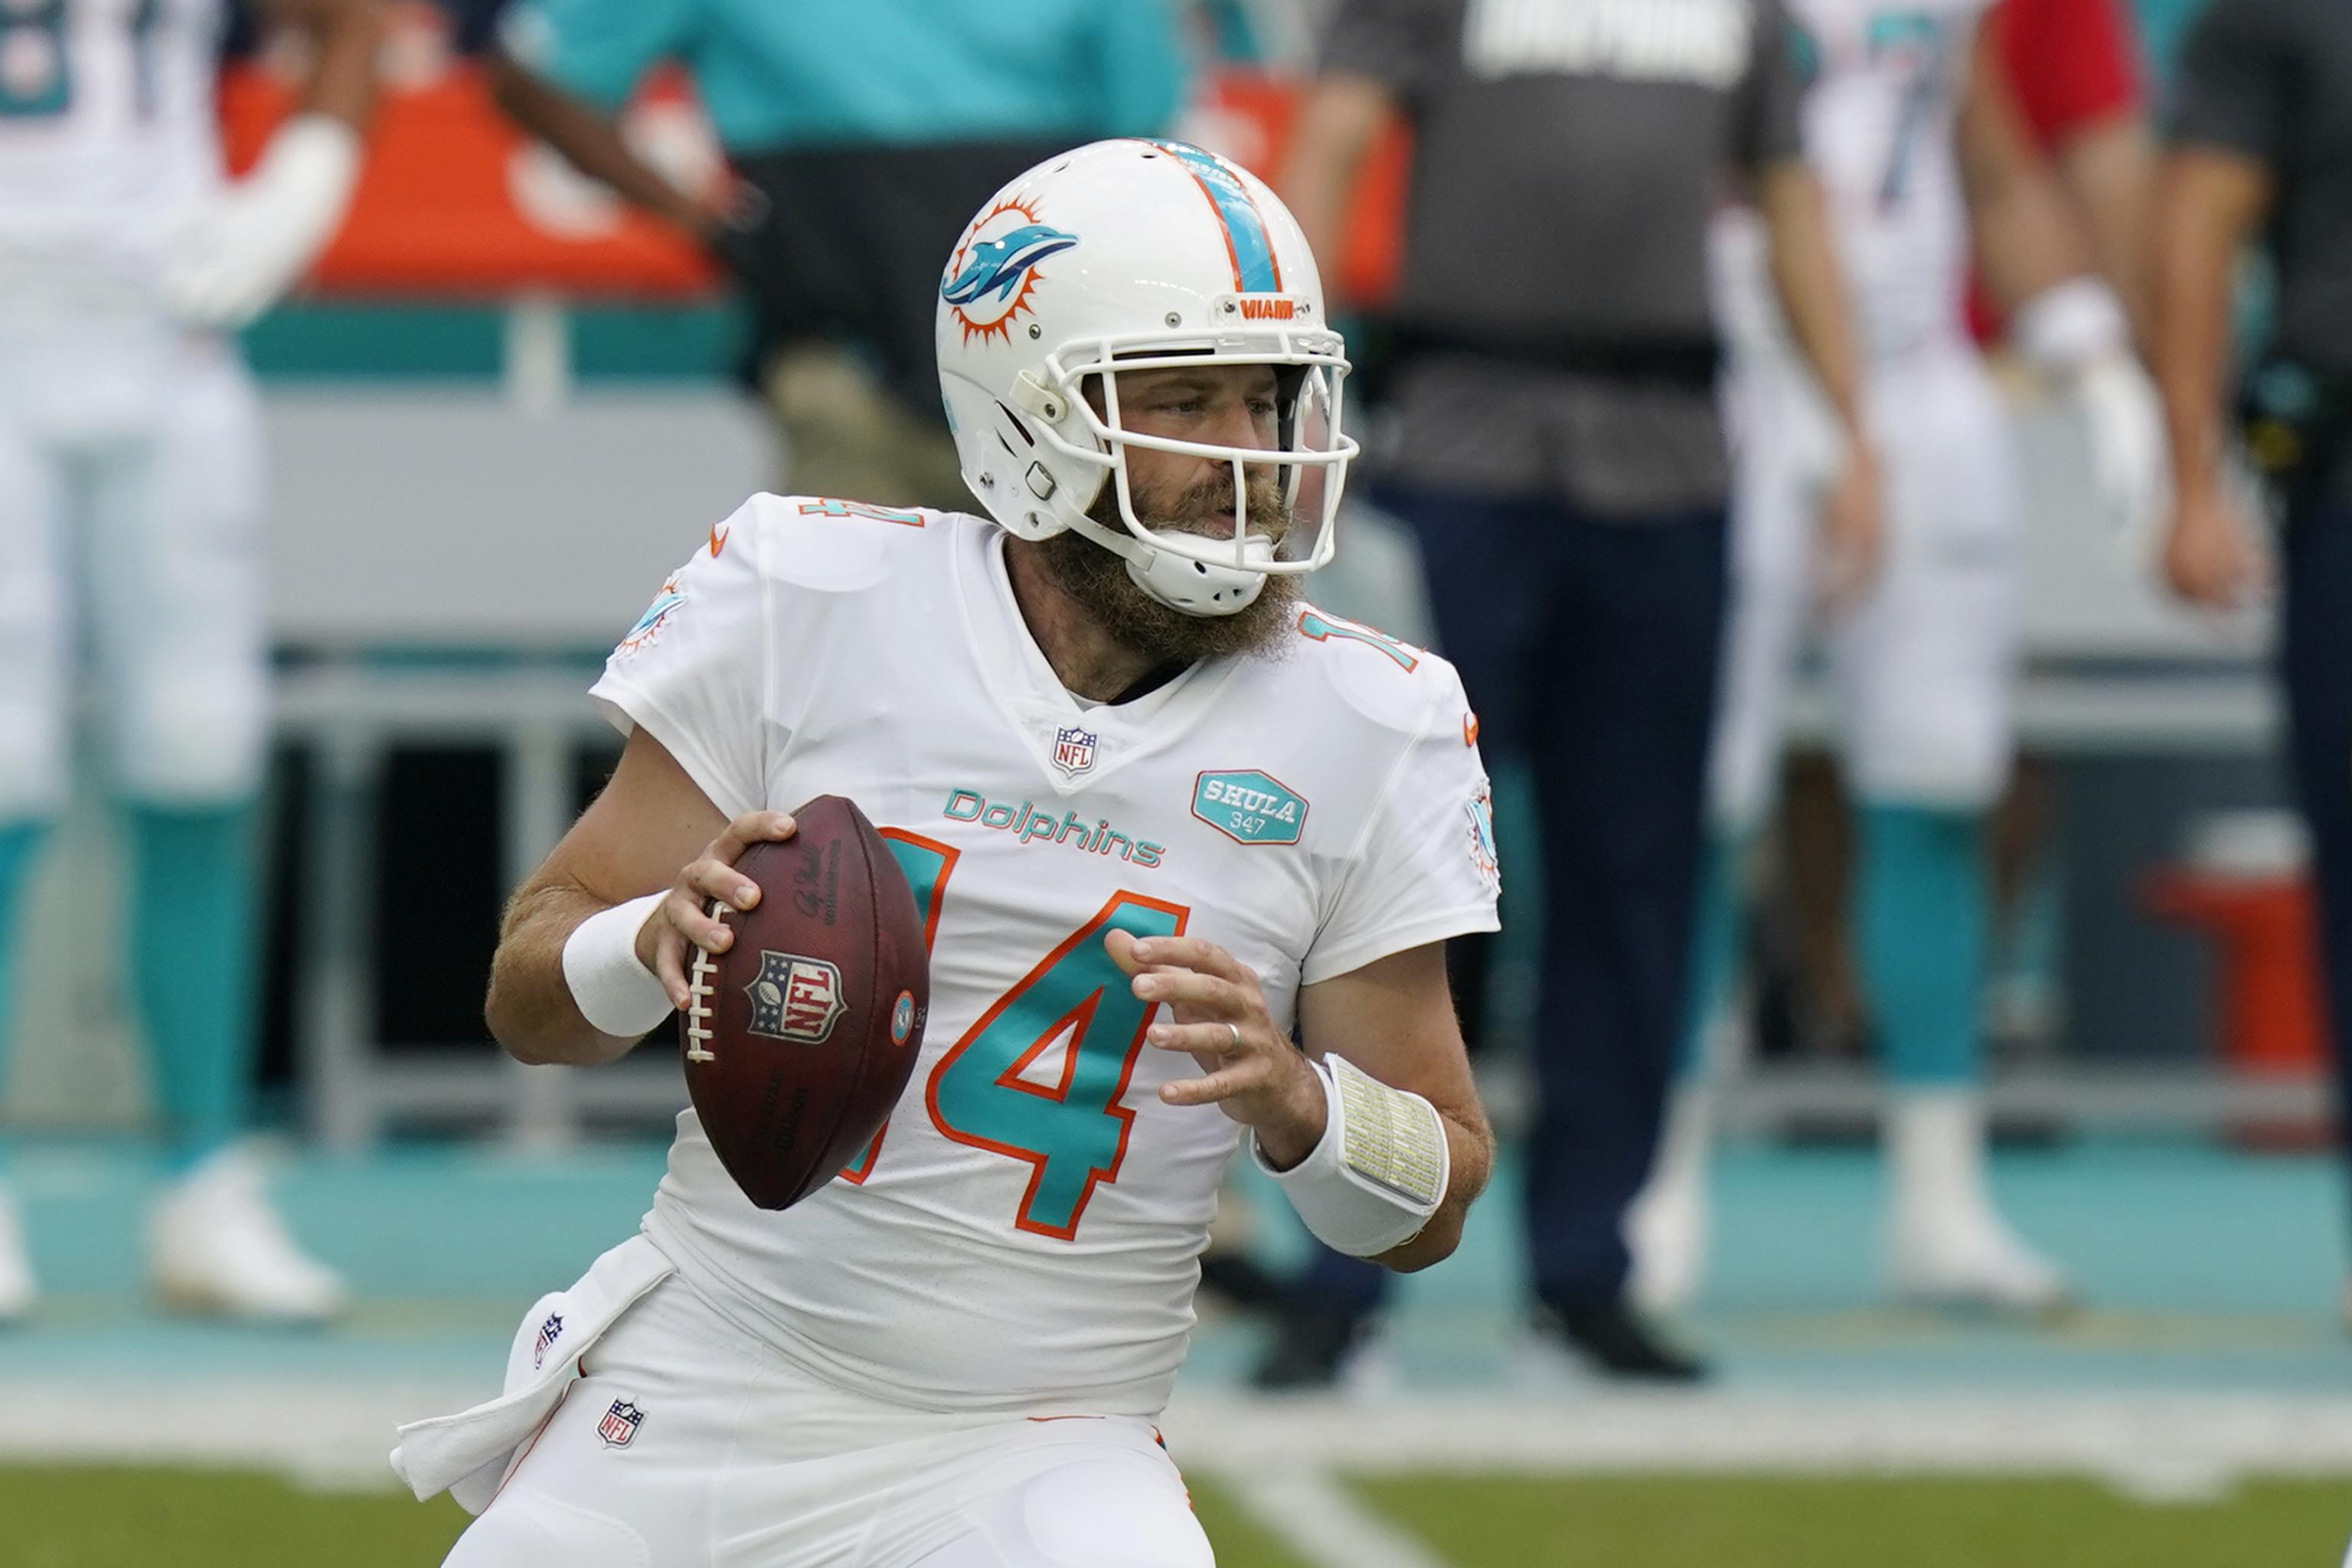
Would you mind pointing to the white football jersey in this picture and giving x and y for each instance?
(108, 137)
(1023, 1236)
(1880, 129)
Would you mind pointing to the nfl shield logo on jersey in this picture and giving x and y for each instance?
(619, 1427)
(549, 1332)
(1074, 750)
(796, 998)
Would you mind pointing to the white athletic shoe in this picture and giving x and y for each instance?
(1667, 1226)
(215, 1246)
(17, 1291)
(1946, 1245)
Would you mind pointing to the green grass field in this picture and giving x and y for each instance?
(124, 1518)
(1842, 1522)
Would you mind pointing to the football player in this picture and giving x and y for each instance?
(1911, 127)
(131, 471)
(1163, 812)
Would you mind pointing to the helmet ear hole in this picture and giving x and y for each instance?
(1016, 425)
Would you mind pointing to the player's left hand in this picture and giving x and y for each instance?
(1217, 1012)
(238, 254)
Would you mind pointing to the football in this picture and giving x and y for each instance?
(801, 1035)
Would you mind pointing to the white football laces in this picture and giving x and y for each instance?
(701, 985)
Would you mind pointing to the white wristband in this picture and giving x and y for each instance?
(1380, 1171)
(610, 987)
(2070, 325)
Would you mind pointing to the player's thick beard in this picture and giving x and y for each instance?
(1098, 580)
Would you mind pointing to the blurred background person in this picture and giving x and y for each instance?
(1921, 150)
(2262, 150)
(131, 484)
(2077, 76)
(1555, 446)
(2076, 73)
(863, 133)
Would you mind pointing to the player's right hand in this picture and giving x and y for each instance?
(2211, 557)
(1853, 531)
(732, 220)
(683, 918)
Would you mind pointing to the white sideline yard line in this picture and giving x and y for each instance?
(329, 1437)
(2180, 1445)
(1322, 1523)
(2169, 1446)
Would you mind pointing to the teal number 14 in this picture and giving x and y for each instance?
(1071, 1131)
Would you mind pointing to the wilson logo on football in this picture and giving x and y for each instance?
(796, 998)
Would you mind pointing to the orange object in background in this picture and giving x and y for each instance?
(454, 201)
(2271, 1021)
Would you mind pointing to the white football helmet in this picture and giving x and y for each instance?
(1135, 254)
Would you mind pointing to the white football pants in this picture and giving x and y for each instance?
(1921, 670)
(131, 523)
(686, 1444)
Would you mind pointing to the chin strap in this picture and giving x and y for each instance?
(1195, 588)
(1190, 587)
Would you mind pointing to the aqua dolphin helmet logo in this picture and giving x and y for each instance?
(1000, 266)
(994, 272)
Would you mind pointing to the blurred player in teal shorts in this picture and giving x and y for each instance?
(131, 497)
(1911, 123)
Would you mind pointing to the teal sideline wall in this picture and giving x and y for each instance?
(340, 340)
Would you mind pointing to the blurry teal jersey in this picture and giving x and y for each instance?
(828, 72)
(2163, 24)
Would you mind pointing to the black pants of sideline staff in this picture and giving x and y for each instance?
(1589, 649)
(2316, 667)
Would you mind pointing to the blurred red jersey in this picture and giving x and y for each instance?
(2072, 64)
